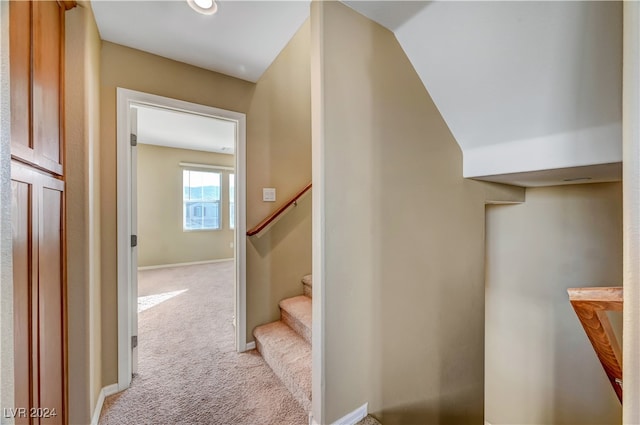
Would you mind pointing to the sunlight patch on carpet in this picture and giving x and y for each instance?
(149, 301)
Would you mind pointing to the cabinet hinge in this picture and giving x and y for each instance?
(134, 241)
(134, 341)
(134, 140)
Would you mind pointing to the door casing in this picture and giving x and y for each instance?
(127, 303)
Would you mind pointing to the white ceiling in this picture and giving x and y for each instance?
(523, 86)
(174, 129)
(505, 71)
(242, 39)
(391, 14)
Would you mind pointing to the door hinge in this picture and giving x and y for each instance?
(134, 140)
(134, 241)
(134, 341)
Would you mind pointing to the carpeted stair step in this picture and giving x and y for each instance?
(296, 313)
(289, 356)
(368, 420)
(307, 283)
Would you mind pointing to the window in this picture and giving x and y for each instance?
(200, 200)
(232, 201)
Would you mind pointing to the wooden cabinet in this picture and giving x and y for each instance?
(38, 286)
(37, 208)
(36, 64)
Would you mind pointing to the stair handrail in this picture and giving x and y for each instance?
(591, 306)
(271, 219)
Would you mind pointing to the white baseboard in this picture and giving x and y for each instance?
(250, 346)
(349, 419)
(192, 263)
(353, 417)
(104, 392)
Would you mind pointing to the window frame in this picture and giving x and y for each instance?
(217, 203)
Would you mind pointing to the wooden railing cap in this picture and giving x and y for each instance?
(602, 293)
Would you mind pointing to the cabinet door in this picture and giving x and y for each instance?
(39, 294)
(25, 259)
(20, 71)
(48, 24)
(51, 296)
(36, 66)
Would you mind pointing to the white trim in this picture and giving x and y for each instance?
(192, 263)
(317, 216)
(353, 417)
(349, 419)
(208, 166)
(126, 98)
(251, 345)
(104, 393)
(123, 190)
(631, 213)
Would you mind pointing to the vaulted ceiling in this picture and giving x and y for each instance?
(525, 87)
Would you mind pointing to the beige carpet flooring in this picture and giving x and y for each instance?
(189, 372)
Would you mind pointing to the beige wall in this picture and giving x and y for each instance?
(539, 365)
(82, 109)
(279, 155)
(403, 236)
(161, 239)
(136, 70)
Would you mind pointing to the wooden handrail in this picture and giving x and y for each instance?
(277, 213)
(591, 306)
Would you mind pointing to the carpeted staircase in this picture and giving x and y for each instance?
(286, 344)
(286, 347)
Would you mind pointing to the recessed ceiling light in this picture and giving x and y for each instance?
(206, 7)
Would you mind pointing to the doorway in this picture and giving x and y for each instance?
(145, 118)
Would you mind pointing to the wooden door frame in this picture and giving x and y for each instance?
(125, 99)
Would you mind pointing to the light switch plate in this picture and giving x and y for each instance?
(268, 194)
